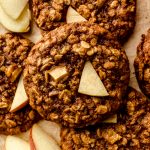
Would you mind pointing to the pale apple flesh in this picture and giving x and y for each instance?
(90, 82)
(24, 135)
(40, 139)
(58, 72)
(111, 119)
(20, 99)
(51, 128)
(15, 143)
(22, 24)
(13, 8)
(73, 16)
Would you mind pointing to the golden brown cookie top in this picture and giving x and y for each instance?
(130, 132)
(14, 50)
(116, 16)
(65, 51)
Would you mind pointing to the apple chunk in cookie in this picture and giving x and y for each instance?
(57, 73)
(15, 115)
(40, 139)
(73, 16)
(130, 132)
(111, 119)
(20, 99)
(69, 96)
(90, 82)
(15, 143)
(14, 51)
(13, 8)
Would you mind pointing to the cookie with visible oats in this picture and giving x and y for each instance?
(118, 16)
(19, 121)
(54, 68)
(142, 64)
(14, 50)
(132, 131)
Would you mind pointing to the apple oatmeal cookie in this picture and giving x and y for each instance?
(142, 64)
(19, 121)
(54, 68)
(131, 132)
(13, 52)
(118, 16)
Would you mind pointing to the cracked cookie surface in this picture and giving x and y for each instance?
(118, 16)
(131, 132)
(142, 64)
(69, 47)
(13, 52)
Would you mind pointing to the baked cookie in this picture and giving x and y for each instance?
(53, 72)
(13, 52)
(131, 132)
(19, 121)
(118, 16)
(142, 64)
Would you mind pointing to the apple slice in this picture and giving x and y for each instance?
(58, 72)
(2, 141)
(19, 25)
(20, 99)
(51, 128)
(15, 143)
(24, 135)
(74, 16)
(111, 119)
(90, 82)
(13, 8)
(40, 140)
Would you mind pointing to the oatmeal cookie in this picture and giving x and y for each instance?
(132, 131)
(19, 121)
(118, 16)
(67, 48)
(142, 64)
(13, 52)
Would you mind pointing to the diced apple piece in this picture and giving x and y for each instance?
(111, 119)
(19, 25)
(40, 140)
(15, 143)
(58, 72)
(74, 16)
(90, 82)
(13, 8)
(20, 99)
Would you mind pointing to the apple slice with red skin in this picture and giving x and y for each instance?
(40, 140)
(51, 128)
